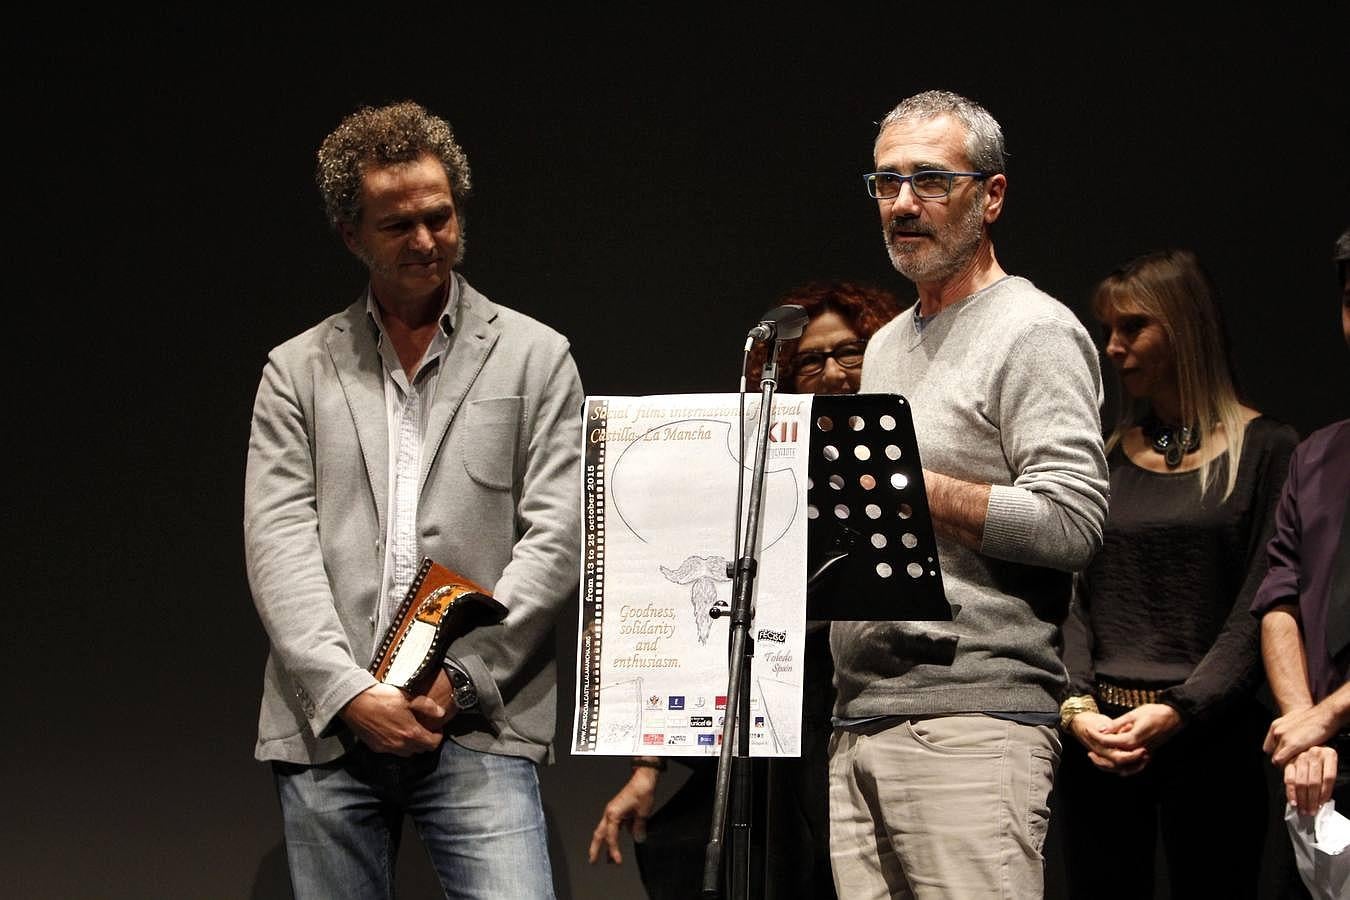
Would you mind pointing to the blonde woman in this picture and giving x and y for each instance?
(1161, 649)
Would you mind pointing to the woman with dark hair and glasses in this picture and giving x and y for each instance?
(827, 359)
(1162, 653)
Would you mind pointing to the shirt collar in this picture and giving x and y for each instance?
(919, 320)
(447, 319)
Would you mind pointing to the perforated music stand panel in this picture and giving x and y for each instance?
(871, 552)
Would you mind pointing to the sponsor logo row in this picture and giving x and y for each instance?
(677, 702)
(704, 739)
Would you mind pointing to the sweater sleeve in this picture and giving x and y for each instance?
(1233, 664)
(1047, 408)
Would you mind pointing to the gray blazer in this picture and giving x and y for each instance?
(500, 502)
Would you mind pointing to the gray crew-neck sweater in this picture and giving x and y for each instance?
(1004, 387)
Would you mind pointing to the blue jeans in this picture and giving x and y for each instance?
(478, 814)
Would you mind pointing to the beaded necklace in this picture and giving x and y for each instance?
(1172, 441)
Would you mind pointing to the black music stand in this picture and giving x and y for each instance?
(871, 554)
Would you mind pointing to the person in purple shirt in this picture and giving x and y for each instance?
(1304, 607)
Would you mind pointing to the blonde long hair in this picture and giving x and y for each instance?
(1171, 287)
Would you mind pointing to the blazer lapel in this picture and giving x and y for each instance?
(357, 362)
(475, 336)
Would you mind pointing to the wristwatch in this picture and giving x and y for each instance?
(466, 695)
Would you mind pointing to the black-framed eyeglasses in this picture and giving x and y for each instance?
(927, 184)
(812, 362)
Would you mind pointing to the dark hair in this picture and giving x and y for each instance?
(865, 308)
(403, 132)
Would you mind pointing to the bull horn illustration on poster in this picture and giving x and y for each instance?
(662, 516)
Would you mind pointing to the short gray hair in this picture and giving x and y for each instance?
(984, 137)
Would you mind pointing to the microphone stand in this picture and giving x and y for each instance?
(735, 725)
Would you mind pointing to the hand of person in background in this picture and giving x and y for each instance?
(629, 808)
(1293, 742)
(1299, 730)
(1110, 752)
(383, 719)
(1310, 778)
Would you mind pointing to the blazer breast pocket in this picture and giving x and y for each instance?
(489, 437)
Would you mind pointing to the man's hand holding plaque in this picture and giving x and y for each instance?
(406, 712)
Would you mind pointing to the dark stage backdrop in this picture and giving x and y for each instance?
(647, 186)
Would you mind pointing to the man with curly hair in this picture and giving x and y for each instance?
(424, 420)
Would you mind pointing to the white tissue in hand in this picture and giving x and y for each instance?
(1331, 830)
(1318, 841)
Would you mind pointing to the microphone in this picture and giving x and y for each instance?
(785, 323)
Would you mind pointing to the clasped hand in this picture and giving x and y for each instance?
(1295, 741)
(1121, 745)
(389, 721)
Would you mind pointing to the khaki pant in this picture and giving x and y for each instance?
(941, 807)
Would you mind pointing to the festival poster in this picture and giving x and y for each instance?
(659, 502)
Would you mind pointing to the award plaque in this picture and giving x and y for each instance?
(441, 605)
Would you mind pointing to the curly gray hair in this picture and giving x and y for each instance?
(382, 136)
(984, 137)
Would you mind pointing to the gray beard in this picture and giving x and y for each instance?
(948, 253)
(934, 268)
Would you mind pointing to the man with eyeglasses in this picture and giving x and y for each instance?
(945, 744)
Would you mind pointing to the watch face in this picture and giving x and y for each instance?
(465, 695)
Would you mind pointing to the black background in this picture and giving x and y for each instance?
(647, 184)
